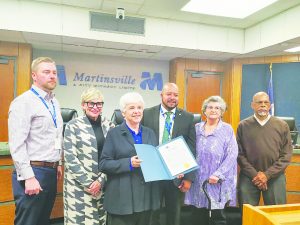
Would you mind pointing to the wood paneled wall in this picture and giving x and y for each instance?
(179, 66)
(231, 92)
(23, 53)
(18, 69)
(231, 82)
(233, 78)
(293, 180)
(177, 75)
(7, 205)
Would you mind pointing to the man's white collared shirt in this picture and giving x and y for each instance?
(162, 121)
(262, 122)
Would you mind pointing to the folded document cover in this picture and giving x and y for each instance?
(165, 161)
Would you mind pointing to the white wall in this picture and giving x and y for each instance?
(67, 21)
(280, 28)
(117, 67)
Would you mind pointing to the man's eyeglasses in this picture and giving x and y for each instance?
(92, 104)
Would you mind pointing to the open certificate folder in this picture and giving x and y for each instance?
(165, 161)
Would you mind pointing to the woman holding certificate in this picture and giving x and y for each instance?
(216, 155)
(128, 200)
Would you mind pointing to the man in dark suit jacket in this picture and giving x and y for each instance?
(181, 124)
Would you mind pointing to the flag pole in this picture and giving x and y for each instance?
(270, 91)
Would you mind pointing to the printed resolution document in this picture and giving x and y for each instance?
(165, 161)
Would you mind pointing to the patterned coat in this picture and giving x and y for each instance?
(81, 169)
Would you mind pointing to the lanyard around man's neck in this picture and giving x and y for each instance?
(53, 115)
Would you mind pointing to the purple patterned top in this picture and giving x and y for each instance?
(216, 154)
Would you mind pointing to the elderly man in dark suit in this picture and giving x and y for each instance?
(169, 122)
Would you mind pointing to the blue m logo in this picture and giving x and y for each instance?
(61, 74)
(151, 82)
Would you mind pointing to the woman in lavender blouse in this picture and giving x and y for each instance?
(216, 155)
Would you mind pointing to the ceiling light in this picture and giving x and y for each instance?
(227, 8)
(296, 49)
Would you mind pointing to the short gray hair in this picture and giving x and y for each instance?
(90, 94)
(129, 98)
(214, 99)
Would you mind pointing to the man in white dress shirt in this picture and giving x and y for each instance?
(35, 137)
(180, 124)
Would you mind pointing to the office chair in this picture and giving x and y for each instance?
(197, 118)
(67, 115)
(117, 117)
(290, 121)
(293, 129)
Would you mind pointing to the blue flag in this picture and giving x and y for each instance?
(270, 92)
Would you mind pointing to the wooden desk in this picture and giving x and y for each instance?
(293, 179)
(7, 204)
(271, 215)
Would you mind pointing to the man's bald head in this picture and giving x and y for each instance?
(169, 86)
(259, 94)
(169, 96)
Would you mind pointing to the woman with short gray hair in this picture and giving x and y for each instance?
(216, 154)
(128, 198)
(222, 103)
(131, 97)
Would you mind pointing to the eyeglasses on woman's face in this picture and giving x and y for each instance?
(92, 104)
(216, 108)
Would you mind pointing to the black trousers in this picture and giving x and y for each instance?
(35, 209)
(173, 199)
(139, 218)
(200, 216)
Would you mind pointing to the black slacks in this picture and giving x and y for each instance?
(35, 209)
(173, 199)
(138, 218)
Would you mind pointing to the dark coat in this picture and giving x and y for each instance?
(126, 191)
(183, 125)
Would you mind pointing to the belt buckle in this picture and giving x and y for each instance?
(54, 166)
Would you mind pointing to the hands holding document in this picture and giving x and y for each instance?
(166, 161)
(135, 161)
